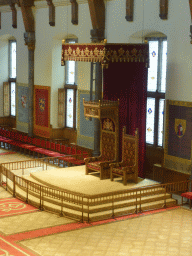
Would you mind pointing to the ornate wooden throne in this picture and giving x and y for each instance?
(128, 167)
(108, 113)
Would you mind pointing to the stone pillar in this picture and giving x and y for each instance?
(98, 96)
(97, 35)
(30, 42)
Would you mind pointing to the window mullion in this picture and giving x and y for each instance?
(156, 121)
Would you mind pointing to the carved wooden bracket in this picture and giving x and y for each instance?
(97, 13)
(26, 3)
(51, 13)
(74, 12)
(129, 10)
(29, 38)
(163, 9)
(190, 5)
(14, 15)
(27, 14)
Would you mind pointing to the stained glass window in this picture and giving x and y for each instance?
(70, 72)
(70, 91)
(160, 122)
(164, 67)
(69, 113)
(13, 98)
(153, 64)
(156, 89)
(12, 59)
(12, 75)
(70, 68)
(150, 120)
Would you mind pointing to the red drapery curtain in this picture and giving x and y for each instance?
(128, 83)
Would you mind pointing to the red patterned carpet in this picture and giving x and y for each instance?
(10, 249)
(13, 206)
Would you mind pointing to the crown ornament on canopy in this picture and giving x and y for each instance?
(105, 53)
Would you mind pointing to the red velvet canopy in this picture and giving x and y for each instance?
(105, 53)
(125, 79)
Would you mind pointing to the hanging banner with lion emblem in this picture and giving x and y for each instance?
(180, 127)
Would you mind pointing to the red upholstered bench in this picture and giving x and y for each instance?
(187, 195)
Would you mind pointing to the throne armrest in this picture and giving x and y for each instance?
(128, 168)
(119, 164)
(92, 159)
(106, 164)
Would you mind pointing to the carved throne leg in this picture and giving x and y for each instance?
(101, 174)
(111, 174)
(86, 170)
(124, 179)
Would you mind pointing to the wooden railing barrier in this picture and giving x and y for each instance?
(80, 206)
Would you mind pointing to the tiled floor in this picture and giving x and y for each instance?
(164, 233)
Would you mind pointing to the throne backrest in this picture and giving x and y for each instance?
(130, 147)
(108, 139)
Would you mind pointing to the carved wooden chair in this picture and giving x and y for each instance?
(128, 167)
(109, 150)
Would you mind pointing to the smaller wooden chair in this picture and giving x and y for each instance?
(128, 167)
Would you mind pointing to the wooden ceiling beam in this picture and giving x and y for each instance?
(27, 13)
(74, 12)
(163, 9)
(14, 14)
(51, 13)
(129, 10)
(190, 5)
(97, 13)
(6, 2)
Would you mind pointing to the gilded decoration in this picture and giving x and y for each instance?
(105, 53)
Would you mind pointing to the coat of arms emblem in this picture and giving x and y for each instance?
(42, 104)
(180, 127)
(23, 101)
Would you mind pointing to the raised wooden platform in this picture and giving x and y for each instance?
(69, 192)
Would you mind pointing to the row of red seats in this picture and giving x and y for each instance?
(42, 147)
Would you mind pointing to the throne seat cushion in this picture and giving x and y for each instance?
(95, 165)
(119, 171)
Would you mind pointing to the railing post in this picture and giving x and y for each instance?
(136, 203)
(62, 206)
(82, 208)
(165, 197)
(140, 210)
(27, 190)
(14, 192)
(40, 198)
(6, 178)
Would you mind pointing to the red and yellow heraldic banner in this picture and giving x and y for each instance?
(42, 111)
